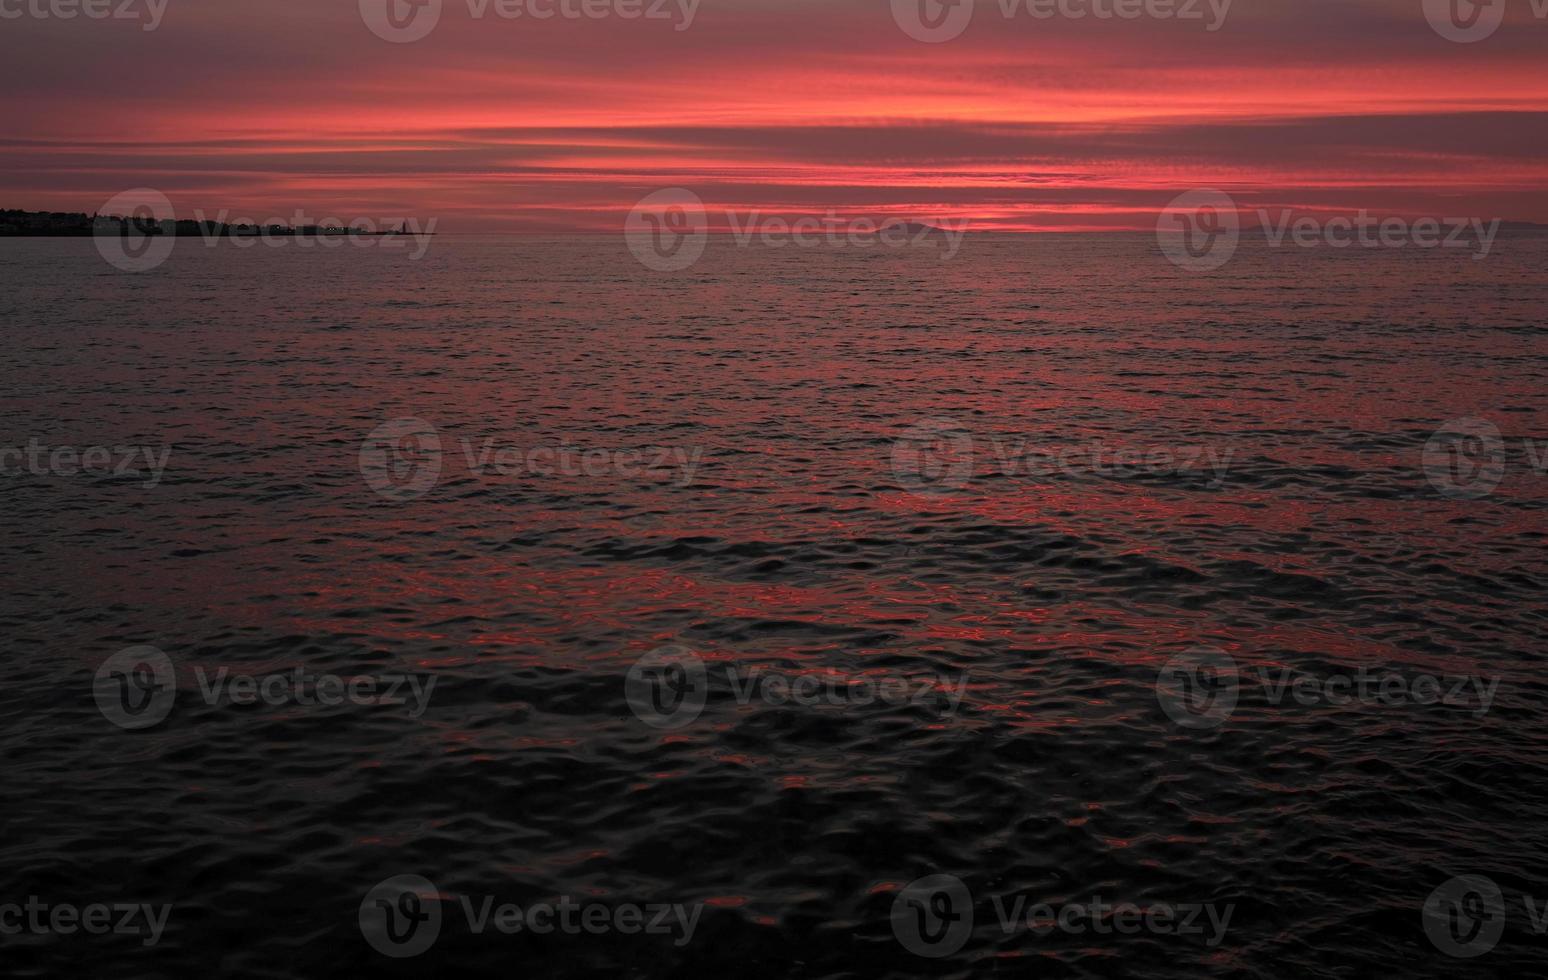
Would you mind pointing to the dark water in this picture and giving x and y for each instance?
(834, 464)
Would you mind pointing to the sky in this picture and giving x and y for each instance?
(521, 124)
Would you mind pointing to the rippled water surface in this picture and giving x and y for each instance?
(873, 464)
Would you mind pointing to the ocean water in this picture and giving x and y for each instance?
(764, 589)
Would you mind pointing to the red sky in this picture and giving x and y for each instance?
(794, 106)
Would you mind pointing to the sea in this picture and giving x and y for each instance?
(1047, 609)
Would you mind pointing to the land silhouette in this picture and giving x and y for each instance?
(72, 224)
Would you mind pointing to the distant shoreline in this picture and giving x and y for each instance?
(16, 223)
(77, 224)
